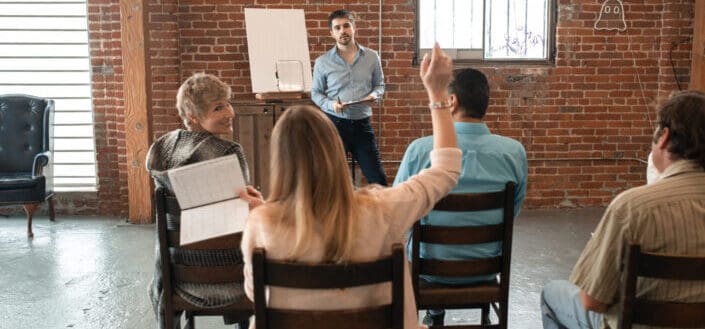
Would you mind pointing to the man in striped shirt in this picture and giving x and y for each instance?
(667, 216)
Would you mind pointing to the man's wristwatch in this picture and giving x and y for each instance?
(444, 104)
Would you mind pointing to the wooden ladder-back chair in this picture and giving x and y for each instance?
(173, 272)
(482, 295)
(666, 267)
(329, 276)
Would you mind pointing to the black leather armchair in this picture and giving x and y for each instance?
(25, 153)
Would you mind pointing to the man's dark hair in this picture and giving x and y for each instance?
(684, 116)
(472, 90)
(340, 13)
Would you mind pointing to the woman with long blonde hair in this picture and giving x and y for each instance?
(313, 215)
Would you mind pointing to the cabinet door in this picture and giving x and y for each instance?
(252, 126)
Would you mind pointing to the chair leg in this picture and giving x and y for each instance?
(173, 321)
(29, 209)
(190, 321)
(486, 315)
(51, 208)
(502, 315)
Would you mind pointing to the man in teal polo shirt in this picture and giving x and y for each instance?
(489, 162)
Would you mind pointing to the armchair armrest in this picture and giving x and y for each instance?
(40, 161)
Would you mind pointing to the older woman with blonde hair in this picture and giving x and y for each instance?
(203, 103)
(313, 214)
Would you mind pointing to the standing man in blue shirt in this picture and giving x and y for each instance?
(350, 72)
(489, 162)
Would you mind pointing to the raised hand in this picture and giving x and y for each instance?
(250, 195)
(436, 73)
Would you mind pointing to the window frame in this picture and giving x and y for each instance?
(465, 57)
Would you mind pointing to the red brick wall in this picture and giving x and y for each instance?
(106, 68)
(584, 120)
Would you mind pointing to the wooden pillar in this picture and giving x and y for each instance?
(133, 22)
(697, 66)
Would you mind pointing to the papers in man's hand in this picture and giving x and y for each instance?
(207, 194)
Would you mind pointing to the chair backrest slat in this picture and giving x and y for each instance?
(669, 314)
(471, 202)
(329, 276)
(460, 268)
(229, 241)
(461, 234)
(372, 317)
(659, 266)
(210, 274)
(673, 267)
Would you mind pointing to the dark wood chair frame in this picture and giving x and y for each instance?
(482, 295)
(174, 304)
(659, 266)
(329, 276)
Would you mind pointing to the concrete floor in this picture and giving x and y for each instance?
(94, 272)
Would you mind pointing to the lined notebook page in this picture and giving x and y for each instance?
(212, 221)
(207, 181)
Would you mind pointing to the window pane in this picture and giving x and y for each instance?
(66, 184)
(44, 23)
(19, 50)
(61, 118)
(444, 23)
(73, 157)
(44, 36)
(71, 144)
(72, 104)
(73, 131)
(43, 9)
(48, 91)
(426, 24)
(74, 170)
(44, 77)
(39, 1)
(42, 64)
(516, 29)
(454, 24)
(468, 24)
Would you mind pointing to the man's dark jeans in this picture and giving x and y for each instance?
(359, 139)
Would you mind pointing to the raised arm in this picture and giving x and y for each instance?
(436, 73)
(416, 197)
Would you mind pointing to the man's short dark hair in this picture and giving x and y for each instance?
(472, 90)
(340, 13)
(684, 116)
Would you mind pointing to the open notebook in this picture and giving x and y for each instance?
(208, 195)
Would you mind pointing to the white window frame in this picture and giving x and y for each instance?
(477, 55)
(50, 58)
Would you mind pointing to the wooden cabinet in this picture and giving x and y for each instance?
(252, 128)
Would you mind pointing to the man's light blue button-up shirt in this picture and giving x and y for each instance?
(489, 162)
(334, 78)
